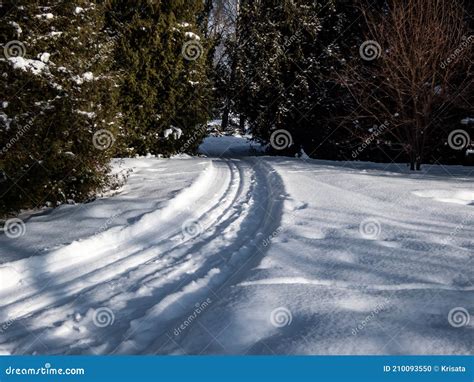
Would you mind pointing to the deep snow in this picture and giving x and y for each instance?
(233, 253)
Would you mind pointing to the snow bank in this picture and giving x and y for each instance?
(290, 256)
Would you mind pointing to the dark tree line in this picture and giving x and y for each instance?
(85, 81)
(332, 76)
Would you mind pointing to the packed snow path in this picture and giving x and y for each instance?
(235, 254)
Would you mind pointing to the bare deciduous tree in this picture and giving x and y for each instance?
(415, 68)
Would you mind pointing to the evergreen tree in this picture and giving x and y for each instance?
(164, 91)
(286, 53)
(57, 121)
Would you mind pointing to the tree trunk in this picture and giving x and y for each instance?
(412, 159)
(242, 122)
(418, 163)
(225, 116)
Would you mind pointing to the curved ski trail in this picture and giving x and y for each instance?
(147, 275)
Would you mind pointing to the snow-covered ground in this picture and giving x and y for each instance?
(235, 253)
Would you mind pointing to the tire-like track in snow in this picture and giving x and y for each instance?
(148, 276)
